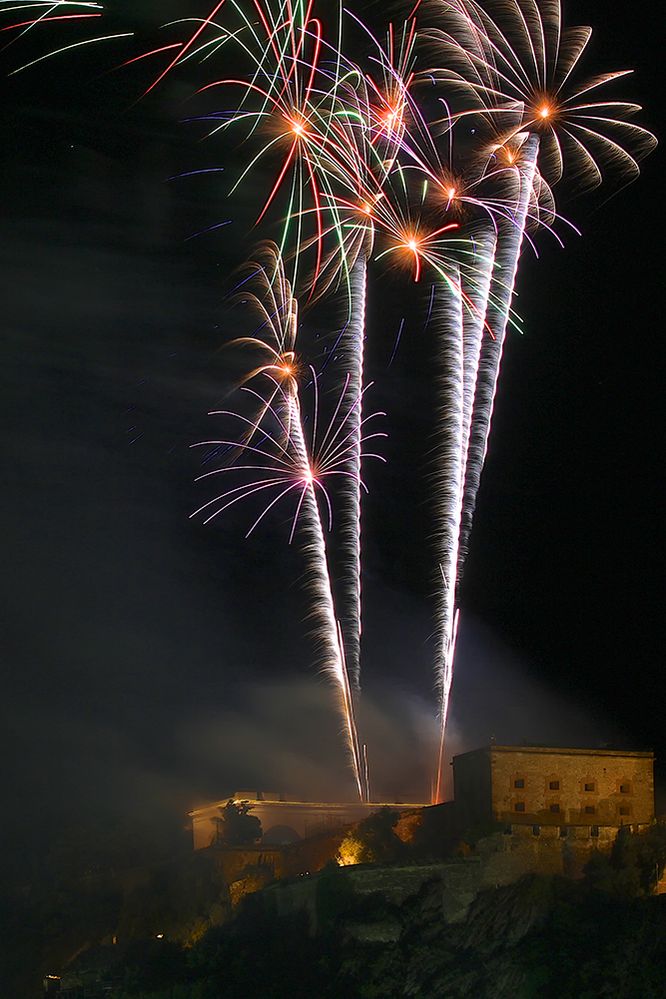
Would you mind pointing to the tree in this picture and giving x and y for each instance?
(372, 841)
(235, 826)
(635, 864)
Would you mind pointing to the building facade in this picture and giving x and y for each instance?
(282, 821)
(543, 786)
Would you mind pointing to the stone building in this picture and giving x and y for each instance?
(282, 821)
(539, 792)
(540, 786)
(523, 808)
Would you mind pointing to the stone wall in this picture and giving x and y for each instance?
(231, 861)
(505, 857)
(500, 859)
(458, 882)
(572, 787)
(544, 786)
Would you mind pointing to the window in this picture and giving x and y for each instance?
(625, 788)
(554, 808)
(590, 809)
(536, 830)
(594, 830)
(519, 782)
(625, 810)
(564, 832)
(589, 786)
(519, 806)
(554, 785)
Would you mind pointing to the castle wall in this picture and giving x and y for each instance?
(571, 786)
(305, 818)
(472, 788)
(507, 856)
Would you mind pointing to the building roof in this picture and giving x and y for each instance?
(371, 806)
(562, 750)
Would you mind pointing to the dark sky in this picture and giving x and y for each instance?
(149, 661)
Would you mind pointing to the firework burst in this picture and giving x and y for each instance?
(518, 56)
(26, 21)
(278, 461)
(360, 170)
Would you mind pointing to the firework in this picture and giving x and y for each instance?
(525, 59)
(461, 265)
(351, 350)
(277, 463)
(518, 75)
(523, 65)
(403, 217)
(375, 127)
(497, 316)
(448, 314)
(315, 115)
(360, 170)
(285, 109)
(369, 126)
(290, 107)
(459, 320)
(28, 18)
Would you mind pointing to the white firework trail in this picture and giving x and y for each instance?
(497, 314)
(474, 325)
(314, 549)
(351, 350)
(461, 319)
(444, 710)
(449, 478)
(279, 463)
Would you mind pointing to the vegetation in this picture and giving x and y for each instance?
(235, 826)
(252, 878)
(180, 938)
(635, 864)
(541, 937)
(373, 840)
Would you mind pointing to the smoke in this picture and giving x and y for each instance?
(82, 769)
(285, 736)
(498, 697)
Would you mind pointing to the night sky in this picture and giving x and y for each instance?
(149, 661)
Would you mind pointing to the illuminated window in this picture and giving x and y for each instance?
(519, 782)
(554, 808)
(590, 786)
(554, 785)
(519, 806)
(625, 788)
(590, 809)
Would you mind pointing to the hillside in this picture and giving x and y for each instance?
(399, 920)
(540, 937)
